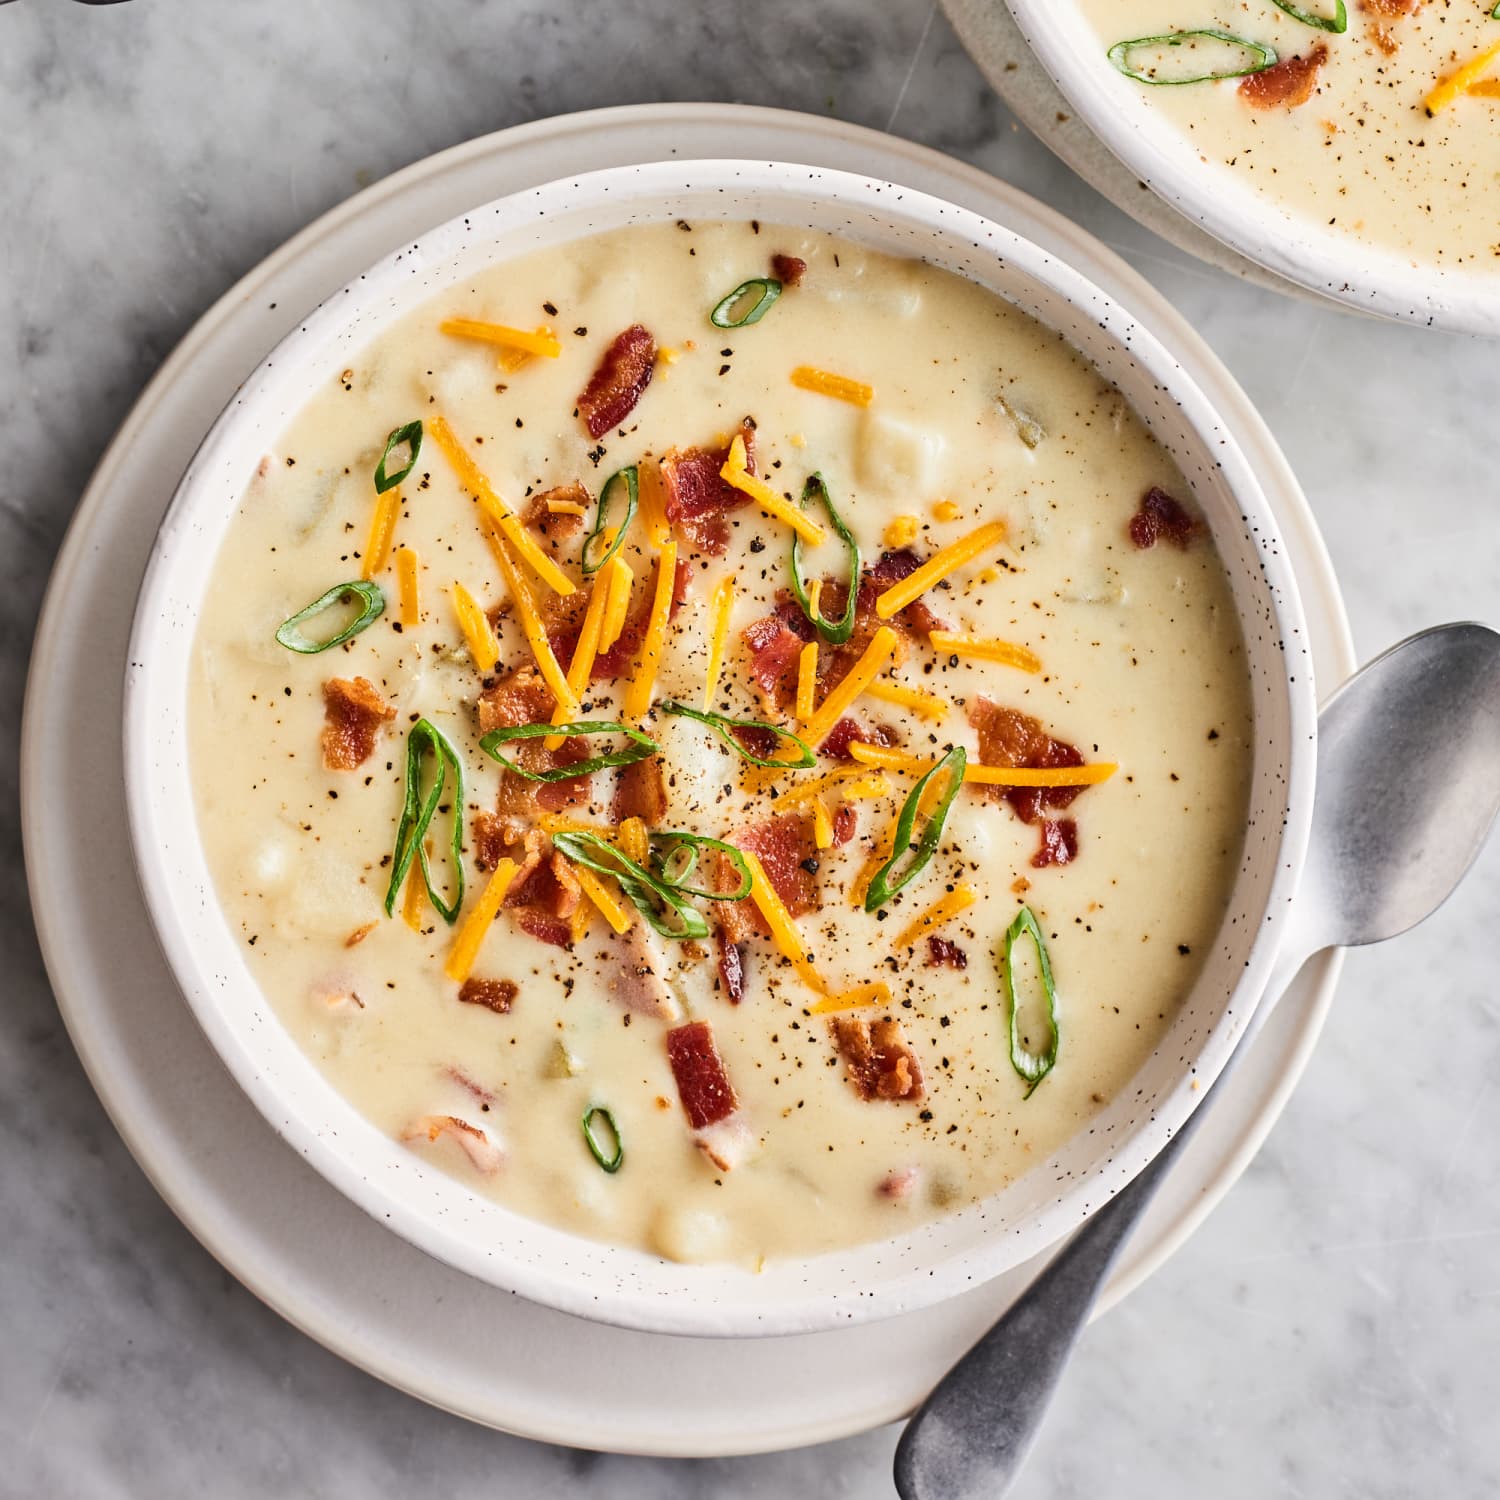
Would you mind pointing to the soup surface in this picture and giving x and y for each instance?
(1378, 131)
(829, 1058)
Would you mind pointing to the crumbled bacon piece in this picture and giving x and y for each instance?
(523, 698)
(706, 1092)
(520, 697)
(942, 954)
(494, 994)
(845, 824)
(557, 528)
(1059, 843)
(1009, 738)
(879, 1062)
(641, 792)
(477, 1146)
(493, 835)
(545, 881)
(616, 386)
(1392, 9)
(1161, 518)
(353, 711)
(774, 649)
(788, 851)
(695, 496)
(545, 928)
(788, 269)
(1285, 84)
(731, 967)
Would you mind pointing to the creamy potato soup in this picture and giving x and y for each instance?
(1377, 118)
(844, 894)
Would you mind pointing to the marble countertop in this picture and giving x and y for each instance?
(1330, 1331)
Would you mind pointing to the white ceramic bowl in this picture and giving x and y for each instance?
(437, 1211)
(1121, 114)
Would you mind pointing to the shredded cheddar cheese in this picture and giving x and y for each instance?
(1485, 88)
(986, 649)
(471, 477)
(874, 993)
(581, 920)
(944, 909)
(407, 563)
(597, 892)
(735, 474)
(565, 508)
(1458, 82)
(471, 936)
(822, 824)
(643, 680)
(938, 567)
(581, 668)
(924, 704)
(840, 387)
(946, 510)
(618, 584)
(783, 930)
(382, 529)
(414, 899)
(855, 681)
(829, 781)
(474, 623)
(884, 848)
(864, 788)
(634, 843)
(542, 342)
(531, 624)
(901, 532)
(720, 610)
(807, 680)
(652, 504)
(899, 760)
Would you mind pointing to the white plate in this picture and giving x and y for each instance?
(269, 1218)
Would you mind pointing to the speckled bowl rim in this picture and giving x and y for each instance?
(1367, 277)
(437, 1211)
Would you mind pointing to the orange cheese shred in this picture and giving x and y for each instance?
(634, 843)
(531, 624)
(938, 567)
(783, 929)
(720, 609)
(986, 648)
(599, 894)
(382, 529)
(414, 902)
(476, 927)
(840, 387)
(855, 681)
(944, 909)
(822, 824)
(898, 760)
(807, 680)
(581, 668)
(1461, 80)
(643, 680)
(616, 599)
(874, 993)
(734, 473)
(474, 623)
(542, 342)
(407, 563)
(922, 703)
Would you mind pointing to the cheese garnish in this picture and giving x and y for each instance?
(986, 649)
(807, 680)
(483, 646)
(472, 479)
(946, 510)
(939, 566)
(944, 909)
(471, 936)
(1458, 82)
(924, 704)
(618, 583)
(877, 992)
(651, 504)
(735, 474)
(822, 824)
(638, 690)
(542, 342)
(414, 902)
(720, 609)
(382, 529)
(859, 677)
(898, 760)
(407, 563)
(783, 930)
(531, 624)
(581, 668)
(565, 508)
(840, 387)
(807, 791)
(598, 893)
(901, 532)
(634, 843)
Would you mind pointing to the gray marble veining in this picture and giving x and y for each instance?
(1331, 1331)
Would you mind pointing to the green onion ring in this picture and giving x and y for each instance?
(1119, 55)
(642, 747)
(721, 724)
(631, 476)
(611, 1164)
(410, 434)
(417, 814)
(770, 290)
(1338, 22)
(834, 631)
(881, 890)
(676, 839)
(1029, 1065)
(289, 632)
(645, 892)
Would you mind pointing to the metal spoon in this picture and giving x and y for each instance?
(1408, 785)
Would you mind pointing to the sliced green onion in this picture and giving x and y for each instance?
(1337, 23)
(834, 631)
(591, 562)
(1495, 14)
(679, 858)
(411, 434)
(721, 724)
(611, 1164)
(770, 290)
(1033, 1067)
(372, 598)
(1262, 56)
(417, 813)
(881, 889)
(639, 750)
(653, 898)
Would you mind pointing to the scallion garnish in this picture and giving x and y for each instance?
(770, 290)
(639, 750)
(611, 1164)
(592, 562)
(1261, 56)
(411, 435)
(417, 813)
(1338, 22)
(1032, 1066)
(678, 858)
(721, 724)
(372, 601)
(650, 896)
(834, 631)
(881, 889)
